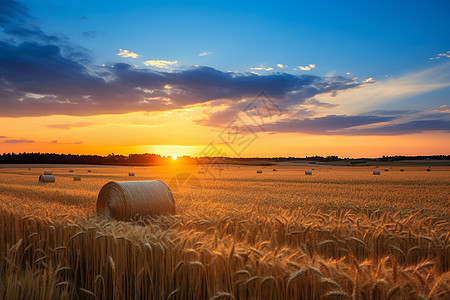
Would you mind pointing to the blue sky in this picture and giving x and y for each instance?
(366, 39)
(350, 68)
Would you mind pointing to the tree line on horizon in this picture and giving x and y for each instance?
(149, 158)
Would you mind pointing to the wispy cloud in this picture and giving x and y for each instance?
(262, 68)
(205, 53)
(163, 64)
(70, 126)
(127, 53)
(441, 55)
(307, 68)
(2, 137)
(281, 66)
(24, 141)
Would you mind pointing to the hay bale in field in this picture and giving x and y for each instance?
(308, 172)
(201, 172)
(46, 178)
(29, 169)
(376, 173)
(275, 170)
(428, 170)
(71, 171)
(386, 170)
(402, 170)
(128, 199)
(77, 178)
(89, 171)
(48, 173)
(259, 171)
(131, 174)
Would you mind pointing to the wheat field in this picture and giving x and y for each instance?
(341, 233)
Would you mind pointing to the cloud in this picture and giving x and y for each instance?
(205, 53)
(70, 126)
(94, 34)
(127, 53)
(327, 125)
(72, 143)
(18, 141)
(261, 68)
(2, 137)
(307, 68)
(281, 66)
(163, 64)
(441, 55)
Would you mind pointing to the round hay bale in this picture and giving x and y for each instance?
(130, 173)
(71, 171)
(129, 199)
(48, 173)
(46, 178)
(376, 173)
(275, 170)
(259, 171)
(386, 170)
(402, 170)
(77, 178)
(428, 170)
(89, 171)
(308, 172)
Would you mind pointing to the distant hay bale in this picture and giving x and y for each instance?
(71, 171)
(46, 178)
(428, 170)
(259, 171)
(29, 169)
(275, 170)
(308, 172)
(89, 171)
(129, 199)
(48, 173)
(77, 178)
(386, 170)
(402, 170)
(376, 173)
(201, 172)
(130, 173)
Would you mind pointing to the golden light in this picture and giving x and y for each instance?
(174, 157)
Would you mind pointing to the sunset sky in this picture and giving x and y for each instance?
(242, 78)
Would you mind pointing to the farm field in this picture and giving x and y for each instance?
(340, 233)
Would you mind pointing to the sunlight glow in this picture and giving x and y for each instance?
(174, 157)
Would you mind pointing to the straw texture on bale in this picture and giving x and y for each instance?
(48, 173)
(77, 178)
(46, 178)
(308, 172)
(376, 173)
(130, 199)
(130, 174)
(258, 171)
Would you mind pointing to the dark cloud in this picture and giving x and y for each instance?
(419, 126)
(94, 34)
(2, 137)
(18, 141)
(70, 126)
(328, 125)
(46, 75)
